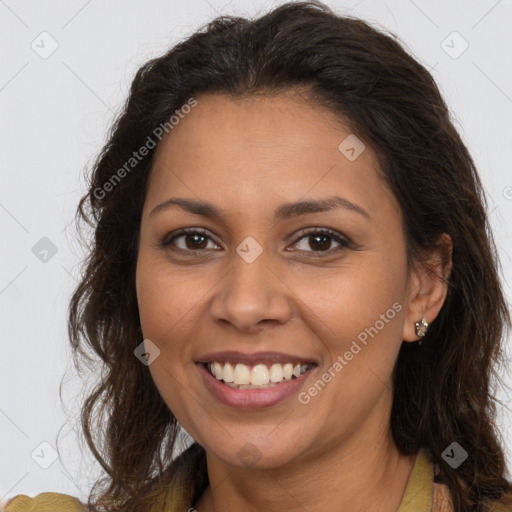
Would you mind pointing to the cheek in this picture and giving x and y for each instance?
(168, 305)
(357, 297)
(357, 313)
(167, 298)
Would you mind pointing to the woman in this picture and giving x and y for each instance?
(292, 261)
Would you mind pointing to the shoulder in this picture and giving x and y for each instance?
(45, 502)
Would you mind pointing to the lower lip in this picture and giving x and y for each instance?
(251, 398)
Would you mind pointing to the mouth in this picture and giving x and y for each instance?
(254, 381)
(258, 376)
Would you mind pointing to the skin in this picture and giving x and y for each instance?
(248, 157)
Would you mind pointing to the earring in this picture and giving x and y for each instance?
(421, 329)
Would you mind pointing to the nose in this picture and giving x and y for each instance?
(251, 295)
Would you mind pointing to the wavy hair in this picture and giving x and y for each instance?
(442, 391)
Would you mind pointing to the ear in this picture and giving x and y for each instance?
(428, 286)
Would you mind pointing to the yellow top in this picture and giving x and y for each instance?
(421, 495)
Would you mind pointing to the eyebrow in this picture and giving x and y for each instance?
(284, 211)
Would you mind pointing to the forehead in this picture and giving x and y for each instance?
(271, 124)
(265, 149)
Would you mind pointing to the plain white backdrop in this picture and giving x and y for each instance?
(65, 72)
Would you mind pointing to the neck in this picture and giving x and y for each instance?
(357, 474)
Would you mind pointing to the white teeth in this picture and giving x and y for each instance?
(242, 374)
(228, 374)
(260, 376)
(276, 373)
(217, 371)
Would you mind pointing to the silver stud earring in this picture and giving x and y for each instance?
(421, 329)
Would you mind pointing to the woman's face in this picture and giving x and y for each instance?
(260, 287)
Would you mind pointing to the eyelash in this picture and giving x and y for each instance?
(344, 242)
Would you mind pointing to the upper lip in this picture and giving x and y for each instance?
(254, 358)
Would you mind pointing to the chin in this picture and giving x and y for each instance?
(257, 453)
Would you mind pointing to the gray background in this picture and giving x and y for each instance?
(55, 111)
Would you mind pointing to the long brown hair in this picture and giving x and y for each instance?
(442, 389)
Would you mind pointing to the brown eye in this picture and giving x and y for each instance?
(321, 240)
(195, 241)
(189, 240)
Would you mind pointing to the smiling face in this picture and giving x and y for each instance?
(263, 281)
